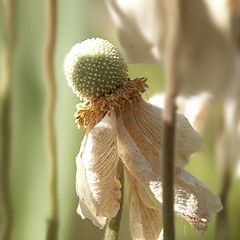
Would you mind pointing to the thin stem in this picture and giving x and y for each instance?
(5, 121)
(52, 231)
(222, 227)
(222, 224)
(172, 49)
(113, 226)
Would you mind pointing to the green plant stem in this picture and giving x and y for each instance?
(172, 49)
(5, 121)
(113, 225)
(222, 227)
(52, 225)
(222, 223)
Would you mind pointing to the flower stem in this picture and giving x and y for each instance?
(222, 223)
(113, 225)
(222, 226)
(173, 34)
(5, 121)
(52, 225)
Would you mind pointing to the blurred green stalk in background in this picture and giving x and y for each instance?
(52, 231)
(5, 121)
(169, 118)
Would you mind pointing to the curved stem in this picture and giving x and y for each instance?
(113, 225)
(5, 121)
(52, 231)
(172, 49)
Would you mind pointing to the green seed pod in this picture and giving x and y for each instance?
(94, 67)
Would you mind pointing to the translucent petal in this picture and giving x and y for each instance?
(86, 208)
(138, 32)
(206, 54)
(149, 119)
(196, 109)
(193, 200)
(145, 220)
(100, 158)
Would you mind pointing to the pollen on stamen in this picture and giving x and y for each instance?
(120, 99)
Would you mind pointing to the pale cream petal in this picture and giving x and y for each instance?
(149, 119)
(193, 200)
(112, 200)
(86, 208)
(134, 160)
(196, 109)
(138, 32)
(152, 155)
(100, 158)
(145, 220)
(206, 53)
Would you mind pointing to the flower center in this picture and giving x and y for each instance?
(94, 67)
(120, 99)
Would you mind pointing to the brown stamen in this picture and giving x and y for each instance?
(120, 99)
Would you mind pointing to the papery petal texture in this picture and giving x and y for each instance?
(86, 208)
(149, 119)
(145, 219)
(100, 158)
(193, 200)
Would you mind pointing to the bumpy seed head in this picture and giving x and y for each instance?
(94, 67)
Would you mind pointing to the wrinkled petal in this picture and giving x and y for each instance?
(196, 109)
(99, 159)
(86, 208)
(206, 54)
(193, 200)
(145, 220)
(149, 119)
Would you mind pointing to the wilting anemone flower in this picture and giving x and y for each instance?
(121, 126)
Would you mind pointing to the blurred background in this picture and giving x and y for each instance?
(77, 21)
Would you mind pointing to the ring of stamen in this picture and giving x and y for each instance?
(120, 99)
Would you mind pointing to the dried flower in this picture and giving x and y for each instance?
(206, 49)
(121, 126)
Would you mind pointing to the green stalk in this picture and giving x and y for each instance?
(5, 121)
(222, 221)
(173, 37)
(52, 225)
(113, 225)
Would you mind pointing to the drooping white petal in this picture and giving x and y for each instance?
(145, 220)
(196, 109)
(138, 32)
(149, 119)
(86, 208)
(193, 200)
(206, 52)
(99, 158)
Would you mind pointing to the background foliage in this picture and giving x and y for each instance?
(77, 20)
